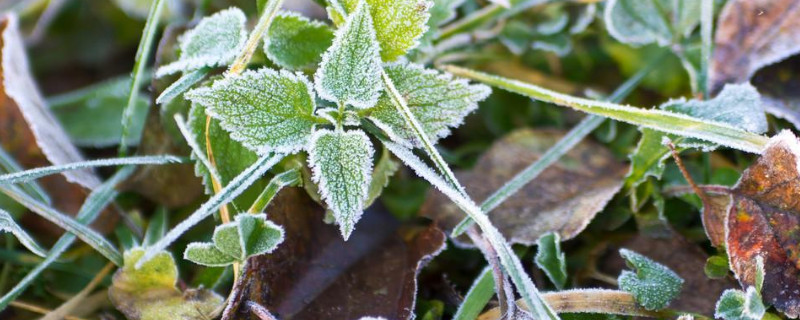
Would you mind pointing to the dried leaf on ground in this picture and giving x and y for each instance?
(752, 34)
(314, 274)
(564, 198)
(764, 221)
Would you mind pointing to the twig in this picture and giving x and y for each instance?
(697, 190)
(259, 310)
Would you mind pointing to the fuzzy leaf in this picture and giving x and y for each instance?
(342, 166)
(247, 236)
(266, 110)
(738, 305)
(653, 285)
(639, 22)
(350, 71)
(7, 224)
(226, 238)
(295, 42)
(398, 23)
(550, 259)
(207, 254)
(259, 235)
(438, 101)
(214, 42)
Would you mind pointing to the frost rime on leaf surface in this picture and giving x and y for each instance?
(295, 42)
(738, 305)
(266, 110)
(342, 166)
(248, 236)
(214, 42)
(653, 285)
(639, 22)
(438, 101)
(399, 24)
(350, 71)
(7, 224)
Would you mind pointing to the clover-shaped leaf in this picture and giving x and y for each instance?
(214, 42)
(295, 42)
(342, 167)
(640, 22)
(737, 305)
(550, 258)
(399, 24)
(653, 285)
(350, 71)
(438, 101)
(249, 235)
(266, 110)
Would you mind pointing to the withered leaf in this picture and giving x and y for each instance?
(752, 34)
(314, 274)
(564, 198)
(764, 220)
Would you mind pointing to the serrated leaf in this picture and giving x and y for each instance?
(226, 238)
(149, 292)
(342, 166)
(207, 254)
(214, 42)
(550, 259)
(437, 100)
(266, 110)
(399, 24)
(653, 285)
(442, 11)
(7, 224)
(350, 71)
(640, 22)
(295, 42)
(259, 235)
(738, 305)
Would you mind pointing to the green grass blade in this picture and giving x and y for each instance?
(477, 297)
(156, 228)
(278, 182)
(224, 196)
(706, 30)
(90, 210)
(660, 120)
(180, 86)
(33, 174)
(142, 53)
(9, 165)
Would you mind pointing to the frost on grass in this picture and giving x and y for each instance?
(342, 167)
(249, 235)
(438, 101)
(551, 260)
(267, 111)
(295, 42)
(399, 24)
(640, 22)
(214, 42)
(653, 285)
(350, 71)
(7, 224)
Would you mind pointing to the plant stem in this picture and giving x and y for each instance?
(270, 10)
(142, 53)
(660, 120)
(706, 29)
(278, 182)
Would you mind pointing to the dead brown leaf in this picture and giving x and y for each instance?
(764, 220)
(564, 198)
(752, 34)
(314, 274)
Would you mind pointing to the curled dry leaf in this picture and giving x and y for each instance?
(563, 199)
(764, 221)
(752, 34)
(314, 274)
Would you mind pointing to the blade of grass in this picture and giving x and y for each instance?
(89, 211)
(706, 30)
(9, 165)
(278, 182)
(660, 120)
(485, 15)
(157, 227)
(191, 140)
(33, 174)
(183, 83)
(572, 138)
(142, 54)
(477, 297)
(224, 196)
(270, 10)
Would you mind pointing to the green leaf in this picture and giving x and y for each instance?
(442, 11)
(183, 83)
(226, 238)
(149, 293)
(295, 42)
(647, 160)
(266, 110)
(383, 172)
(247, 236)
(438, 102)
(207, 254)
(639, 22)
(350, 71)
(258, 235)
(550, 259)
(157, 227)
(7, 224)
(290, 177)
(653, 285)
(342, 166)
(399, 24)
(477, 297)
(716, 267)
(738, 305)
(214, 42)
